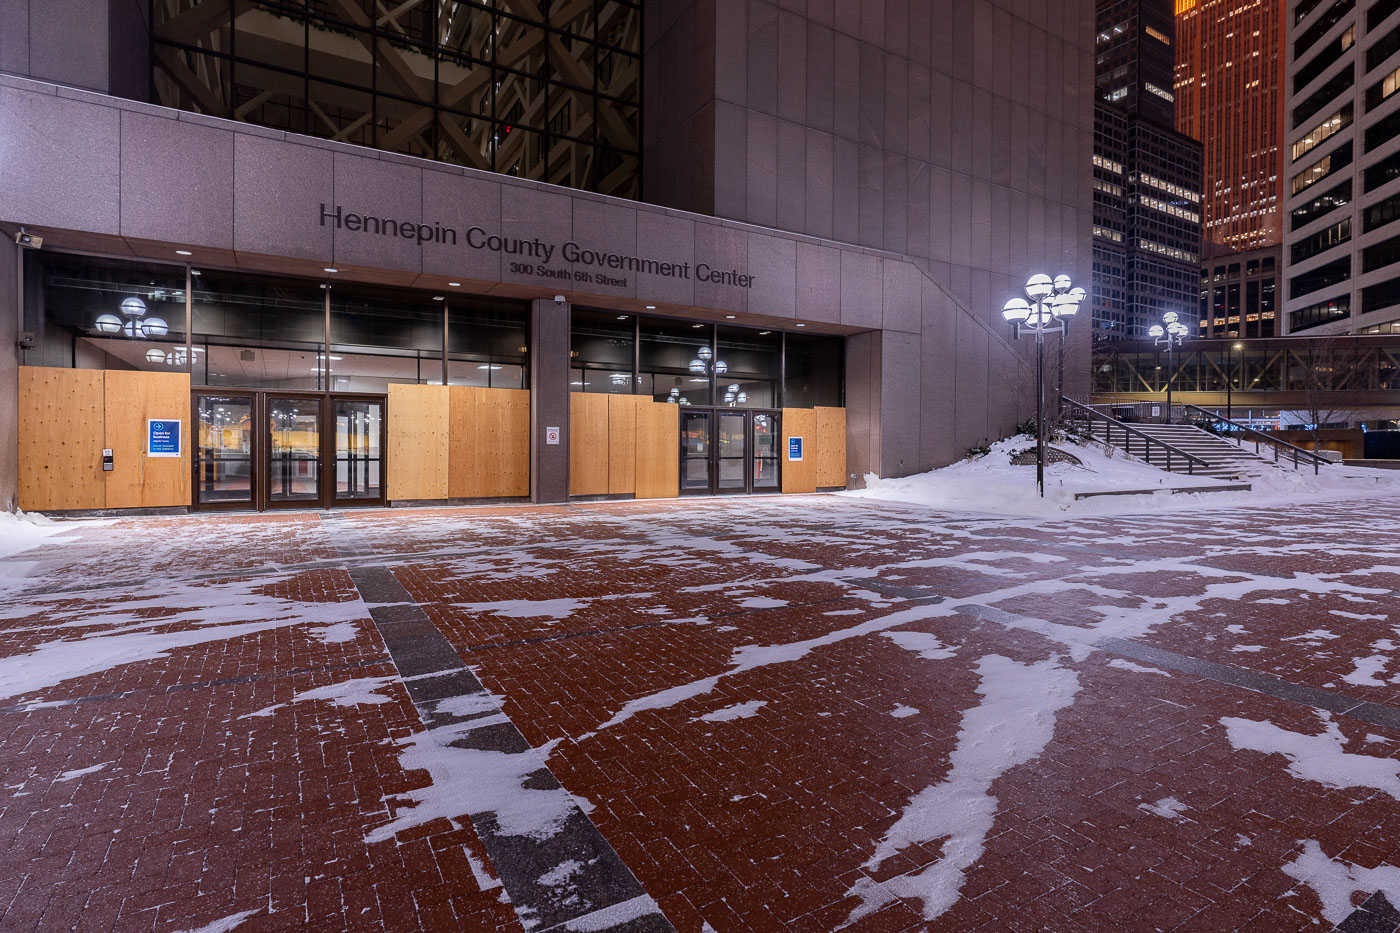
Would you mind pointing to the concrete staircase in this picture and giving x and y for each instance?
(1223, 458)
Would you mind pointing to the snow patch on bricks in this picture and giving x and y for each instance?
(224, 924)
(363, 691)
(1335, 882)
(465, 782)
(1168, 808)
(737, 711)
(903, 712)
(924, 644)
(79, 772)
(554, 609)
(1010, 727)
(1317, 758)
(226, 611)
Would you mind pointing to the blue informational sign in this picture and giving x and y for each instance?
(162, 438)
(794, 448)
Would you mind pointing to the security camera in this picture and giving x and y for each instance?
(560, 299)
(28, 240)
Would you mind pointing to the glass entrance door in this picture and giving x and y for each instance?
(731, 448)
(766, 445)
(223, 467)
(293, 451)
(696, 451)
(359, 475)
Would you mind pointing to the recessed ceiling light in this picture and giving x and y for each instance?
(455, 284)
(801, 325)
(183, 252)
(764, 333)
(438, 298)
(697, 325)
(729, 316)
(651, 307)
(622, 317)
(330, 269)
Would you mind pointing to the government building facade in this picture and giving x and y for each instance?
(327, 253)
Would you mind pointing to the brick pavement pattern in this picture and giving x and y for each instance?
(802, 714)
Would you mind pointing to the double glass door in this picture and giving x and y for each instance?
(727, 451)
(265, 450)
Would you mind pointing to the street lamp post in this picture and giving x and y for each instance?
(1230, 383)
(1046, 309)
(1172, 336)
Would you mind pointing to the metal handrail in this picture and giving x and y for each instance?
(1148, 441)
(1276, 441)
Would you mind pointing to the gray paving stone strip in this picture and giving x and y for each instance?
(602, 893)
(1364, 710)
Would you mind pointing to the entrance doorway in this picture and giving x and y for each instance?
(269, 450)
(729, 451)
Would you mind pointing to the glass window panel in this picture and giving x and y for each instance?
(378, 317)
(269, 36)
(603, 337)
(619, 126)
(748, 367)
(570, 113)
(467, 140)
(463, 82)
(270, 98)
(471, 372)
(259, 331)
(695, 450)
(405, 126)
(341, 54)
(341, 113)
(105, 314)
(814, 371)
(206, 93)
(676, 361)
(489, 330)
(520, 153)
(573, 16)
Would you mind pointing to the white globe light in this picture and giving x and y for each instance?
(131, 328)
(1064, 306)
(697, 366)
(733, 388)
(1061, 283)
(704, 353)
(1170, 317)
(1016, 310)
(729, 396)
(109, 323)
(154, 327)
(671, 399)
(1039, 285)
(721, 367)
(155, 356)
(685, 401)
(133, 307)
(742, 397)
(1155, 330)
(1078, 294)
(675, 392)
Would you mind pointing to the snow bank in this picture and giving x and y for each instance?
(990, 483)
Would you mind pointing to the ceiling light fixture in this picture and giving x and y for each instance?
(183, 252)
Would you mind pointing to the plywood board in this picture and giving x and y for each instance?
(588, 444)
(419, 436)
(830, 448)
(462, 480)
(503, 442)
(138, 481)
(622, 442)
(799, 475)
(658, 451)
(61, 431)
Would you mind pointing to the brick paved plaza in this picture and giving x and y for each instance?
(803, 715)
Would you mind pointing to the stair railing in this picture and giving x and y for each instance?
(1148, 444)
(1282, 449)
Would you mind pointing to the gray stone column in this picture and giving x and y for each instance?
(882, 405)
(9, 374)
(549, 400)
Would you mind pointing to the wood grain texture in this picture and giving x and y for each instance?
(622, 442)
(799, 475)
(461, 442)
(589, 436)
(140, 481)
(419, 439)
(830, 447)
(61, 434)
(503, 442)
(658, 451)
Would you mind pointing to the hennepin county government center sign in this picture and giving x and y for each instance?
(535, 249)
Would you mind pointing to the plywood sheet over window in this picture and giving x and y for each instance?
(418, 442)
(799, 475)
(489, 442)
(829, 450)
(658, 451)
(589, 444)
(131, 400)
(67, 417)
(622, 442)
(61, 436)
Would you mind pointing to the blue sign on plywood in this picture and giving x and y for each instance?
(794, 448)
(162, 438)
